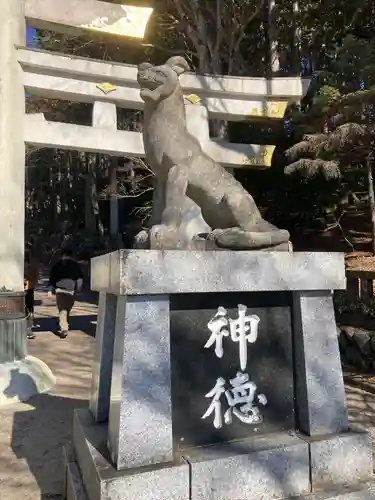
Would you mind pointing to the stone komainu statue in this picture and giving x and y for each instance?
(197, 203)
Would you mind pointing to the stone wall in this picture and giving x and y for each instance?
(357, 347)
(357, 341)
(359, 284)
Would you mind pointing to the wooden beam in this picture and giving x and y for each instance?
(77, 16)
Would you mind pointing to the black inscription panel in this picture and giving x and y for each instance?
(254, 330)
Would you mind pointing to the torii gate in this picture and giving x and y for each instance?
(69, 15)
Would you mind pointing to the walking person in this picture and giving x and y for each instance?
(66, 279)
(31, 281)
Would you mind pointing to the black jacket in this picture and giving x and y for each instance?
(64, 275)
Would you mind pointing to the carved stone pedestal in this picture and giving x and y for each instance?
(157, 428)
(12, 339)
(21, 376)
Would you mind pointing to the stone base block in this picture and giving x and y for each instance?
(276, 466)
(102, 481)
(74, 484)
(22, 379)
(362, 491)
(68, 457)
(340, 459)
(13, 344)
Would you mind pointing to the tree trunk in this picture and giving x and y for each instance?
(371, 197)
(296, 51)
(90, 192)
(209, 60)
(274, 56)
(113, 205)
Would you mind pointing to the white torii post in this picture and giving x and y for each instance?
(21, 376)
(104, 117)
(12, 147)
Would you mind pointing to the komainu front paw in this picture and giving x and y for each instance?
(236, 238)
(164, 237)
(142, 240)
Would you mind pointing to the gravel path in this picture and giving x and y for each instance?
(32, 434)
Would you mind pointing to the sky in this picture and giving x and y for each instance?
(30, 36)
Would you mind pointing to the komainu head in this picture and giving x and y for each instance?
(159, 82)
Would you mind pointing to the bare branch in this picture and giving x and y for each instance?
(244, 24)
(187, 25)
(107, 193)
(337, 224)
(140, 163)
(179, 52)
(219, 27)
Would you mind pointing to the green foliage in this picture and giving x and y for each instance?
(328, 94)
(343, 305)
(354, 63)
(340, 119)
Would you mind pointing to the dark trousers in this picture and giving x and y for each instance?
(64, 302)
(29, 307)
(29, 302)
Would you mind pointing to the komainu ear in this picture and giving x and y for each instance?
(178, 64)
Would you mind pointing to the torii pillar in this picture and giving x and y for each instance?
(21, 376)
